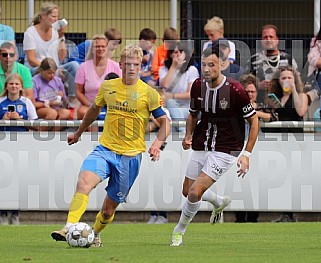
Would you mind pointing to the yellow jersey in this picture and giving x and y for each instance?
(128, 111)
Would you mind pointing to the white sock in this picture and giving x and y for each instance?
(188, 212)
(68, 225)
(213, 198)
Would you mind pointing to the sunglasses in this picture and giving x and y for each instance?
(5, 55)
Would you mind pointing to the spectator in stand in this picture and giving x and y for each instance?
(228, 69)
(79, 53)
(170, 35)
(147, 38)
(92, 73)
(266, 62)
(214, 29)
(286, 84)
(6, 32)
(176, 78)
(49, 93)
(41, 40)
(14, 106)
(8, 65)
(314, 59)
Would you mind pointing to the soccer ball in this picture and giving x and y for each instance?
(80, 235)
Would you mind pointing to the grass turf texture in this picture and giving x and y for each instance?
(229, 242)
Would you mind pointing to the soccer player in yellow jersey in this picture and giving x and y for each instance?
(118, 157)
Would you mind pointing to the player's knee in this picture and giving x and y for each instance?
(83, 184)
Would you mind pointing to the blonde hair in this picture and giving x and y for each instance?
(45, 9)
(214, 24)
(8, 79)
(131, 51)
(90, 53)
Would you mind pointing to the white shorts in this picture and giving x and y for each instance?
(214, 164)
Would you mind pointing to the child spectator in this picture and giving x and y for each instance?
(49, 93)
(147, 38)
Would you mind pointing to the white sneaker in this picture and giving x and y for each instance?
(217, 212)
(4, 219)
(14, 219)
(152, 220)
(161, 220)
(177, 239)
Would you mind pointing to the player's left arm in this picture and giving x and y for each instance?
(244, 160)
(164, 131)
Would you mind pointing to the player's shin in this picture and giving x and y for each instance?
(77, 207)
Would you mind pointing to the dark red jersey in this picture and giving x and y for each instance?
(223, 113)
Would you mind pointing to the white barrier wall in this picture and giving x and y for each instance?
(39, 172)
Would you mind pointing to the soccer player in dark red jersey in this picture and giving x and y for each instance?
(217, 140)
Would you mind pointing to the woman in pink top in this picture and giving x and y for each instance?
(92, 73)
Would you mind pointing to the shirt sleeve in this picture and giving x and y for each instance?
(31, 110)
(80, 74)
(28, 41)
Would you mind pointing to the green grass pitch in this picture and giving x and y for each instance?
(228, 242)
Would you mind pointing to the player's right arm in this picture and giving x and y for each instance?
(90, 116)
(191, 123)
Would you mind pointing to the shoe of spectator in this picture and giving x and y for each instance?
(152, 220)
(4, 219)
(284, 219)
(14, 219)
(161, 220)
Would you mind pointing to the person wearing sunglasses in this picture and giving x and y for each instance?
(9, 65)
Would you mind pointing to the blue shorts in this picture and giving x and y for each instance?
(120, 169)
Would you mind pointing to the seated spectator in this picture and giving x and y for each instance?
(314, 59)
(263, 112)
(41, 40)
(6, 32)
(147, 38)
(267, 61)
(288, 88)
(91, 74)
(228, 69)
(49, 93)
(214, 29)
(8, 65)
(160, 54)
(176, 78)
(13, 106)
(79, 53)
